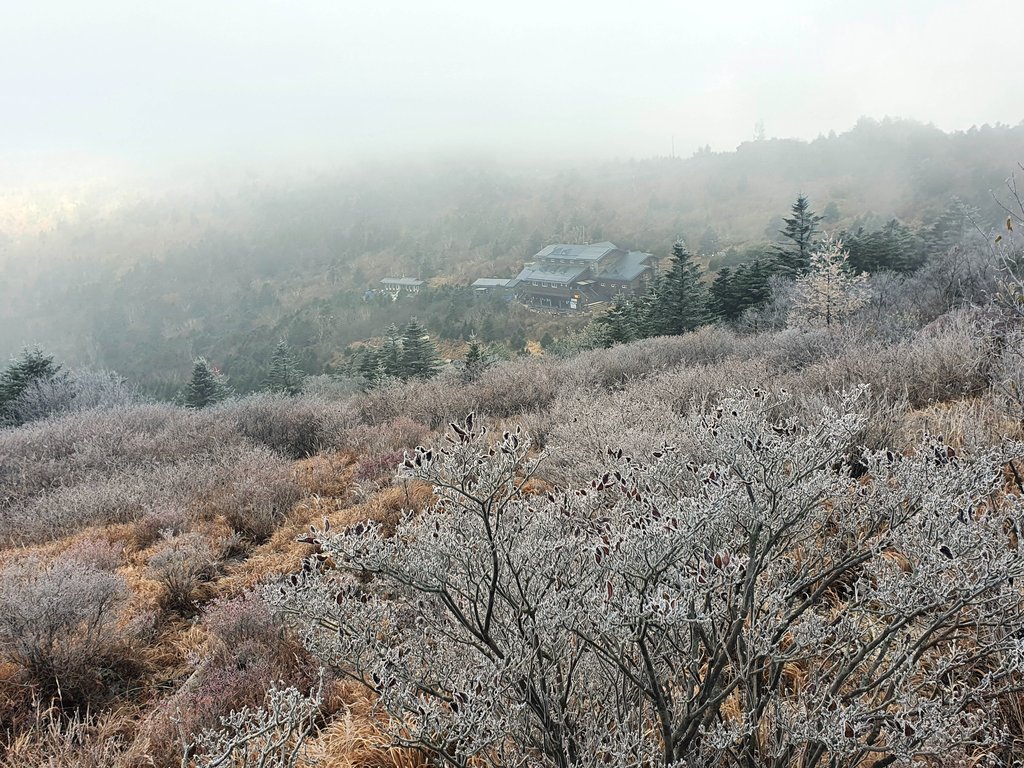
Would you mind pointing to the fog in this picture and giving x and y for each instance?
(115, 85)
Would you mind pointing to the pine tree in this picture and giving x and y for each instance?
(285, 375)
(30, 368)
(681, 301)
(206, 387)
(829, 291)
(419, 355)
(801, 229)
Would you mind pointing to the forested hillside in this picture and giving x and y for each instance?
(145, 282)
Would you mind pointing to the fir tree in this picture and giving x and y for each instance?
(893, 248)
(681, 302)
(29, 369)
(369, 361)
(734, 291)
(419, 355)
(389, 358)
(619, 324)
(801, 230)
(206, 387)
(477, 361)
(285, 375)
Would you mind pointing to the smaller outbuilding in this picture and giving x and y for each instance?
(397, 285)
(492, 284)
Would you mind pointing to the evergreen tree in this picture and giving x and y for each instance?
(369, 362)
(801, 230)
(893, 248)
(477, 361)
(724, 300)
(285, 375)
(419, 355)
(709, 242)
(681, 302)
(619, 324)
(206, 387)
(950, 228)
(29, 369)
(735, 291)
(389, 358)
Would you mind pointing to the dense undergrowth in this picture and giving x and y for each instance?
(137, 539)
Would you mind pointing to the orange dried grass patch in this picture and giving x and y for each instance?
(354, 738)
(326, 474)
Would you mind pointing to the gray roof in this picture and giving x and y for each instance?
(629, 267)
(491, 282)
(410, 282)
(593, 252)
(550, 273)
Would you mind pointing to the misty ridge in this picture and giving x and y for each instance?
(143, 282)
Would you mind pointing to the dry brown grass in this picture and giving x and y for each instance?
(354, 739)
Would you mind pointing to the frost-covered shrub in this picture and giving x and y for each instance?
(76, 391)
(295, 427)
(58, 623)
(261, 491)
(747, 603)
(271, 736)
(796, 348)
(397, 435)
(512, 388)
(109, 497)
(611, 368)
(97, 552)
(77, 447)
(244, 619)
(330, 387)
(183, 565)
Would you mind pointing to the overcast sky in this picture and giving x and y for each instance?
(252, 81)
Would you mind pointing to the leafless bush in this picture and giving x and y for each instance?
(611, 368)
(699, 387)
(585, 424)
(385, 438)
(261, 490)
(1008, 374)
(112, 497)
(97, 552)
(751, 603)
(271, 736)
(796, 348)
(58, 623)
(512, 388)
(82, 446)
(244, 619)
(429, 402)
(295, 427)
(947, 360)
(183, 565)
(331, 388)
(77, 391)
(959, 277)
